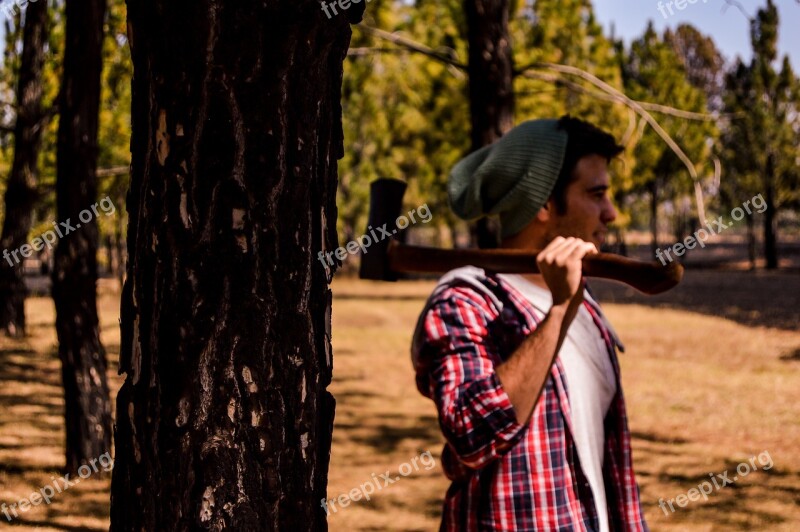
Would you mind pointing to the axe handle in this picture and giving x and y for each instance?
(647, 277)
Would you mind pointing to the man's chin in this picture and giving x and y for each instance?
(598, 239)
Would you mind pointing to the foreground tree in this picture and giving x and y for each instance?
(224, 420)
(21, 192)
(83, 359)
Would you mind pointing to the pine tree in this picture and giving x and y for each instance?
(224, 420)
(21, 188)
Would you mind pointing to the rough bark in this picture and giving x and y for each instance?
(654, 215)
(770, 218)
(751, 242)
(224, 419)
(491, 87)
(83, 359)
(21, 193)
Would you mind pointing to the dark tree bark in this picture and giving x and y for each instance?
(21, 194)
(770, 219)
(83, 359)
(654, 215)
(751, 242)
(224, 420)
(491, 87)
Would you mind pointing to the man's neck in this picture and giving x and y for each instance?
(535, 278)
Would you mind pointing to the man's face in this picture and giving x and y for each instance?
(589, 209)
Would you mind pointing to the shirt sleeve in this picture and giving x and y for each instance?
(475, 413)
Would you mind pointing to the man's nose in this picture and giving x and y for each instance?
(609, 213)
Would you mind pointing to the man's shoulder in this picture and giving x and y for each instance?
(471, 285)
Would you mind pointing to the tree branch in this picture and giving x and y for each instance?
(609, 93)
(642, 112)
(115, 170)
(413, 46)
(737, 5)
(658, 108)
(360, 52)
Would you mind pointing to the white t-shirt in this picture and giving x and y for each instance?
(591, 385)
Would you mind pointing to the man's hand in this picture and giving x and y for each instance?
(560, 266)
(524, 373)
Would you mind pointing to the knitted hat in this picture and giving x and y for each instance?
(512, 178)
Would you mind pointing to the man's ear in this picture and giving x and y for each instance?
(544, 213)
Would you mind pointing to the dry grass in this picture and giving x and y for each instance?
(704, 394)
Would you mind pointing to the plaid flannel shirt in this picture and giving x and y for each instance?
(507, 476)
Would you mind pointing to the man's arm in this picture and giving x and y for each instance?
(524, 373)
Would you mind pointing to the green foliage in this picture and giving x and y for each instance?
(765, 106)
(404, 115)
(654, 72)
(114, 136)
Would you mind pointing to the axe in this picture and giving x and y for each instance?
(387, 257)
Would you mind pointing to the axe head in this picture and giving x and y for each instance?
(385, 204)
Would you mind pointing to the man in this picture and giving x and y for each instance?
(523, 368)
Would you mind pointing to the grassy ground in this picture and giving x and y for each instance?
(707, 389)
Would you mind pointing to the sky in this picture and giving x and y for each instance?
(729, 29)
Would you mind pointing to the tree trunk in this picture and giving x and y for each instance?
(751, 242)
(654, 215)
(770, 226)
(491, 86)
(20, 195)
(224, 419)
(83, 359)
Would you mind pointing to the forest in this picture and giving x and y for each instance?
(172, 171)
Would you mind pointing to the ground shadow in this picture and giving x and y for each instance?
(760, 298)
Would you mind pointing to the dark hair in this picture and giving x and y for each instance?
(583, 139)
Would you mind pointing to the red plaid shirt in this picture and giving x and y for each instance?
(508, 476)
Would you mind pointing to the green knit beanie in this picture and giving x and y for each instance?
(512, 178)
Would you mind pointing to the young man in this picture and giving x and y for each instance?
(523, 368)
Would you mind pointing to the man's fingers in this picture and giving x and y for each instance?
(584, 249)
(565, 253)
(550, 252)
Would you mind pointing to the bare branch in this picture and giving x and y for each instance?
(116, 170)
(658, 108)
(737, 5)
(360, 52)
(641, 111)
(609, 93)
(414, 46)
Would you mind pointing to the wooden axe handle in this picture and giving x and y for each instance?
(647, 277)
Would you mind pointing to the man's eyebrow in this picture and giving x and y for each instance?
(598, 188)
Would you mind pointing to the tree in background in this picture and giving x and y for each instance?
(83, 359)
(21, 187)
(490, 71)
(774, 115)
(224, 419)
(701, 61)
(761, 150)
(115, 133)
(653, 72)
(404, 114)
